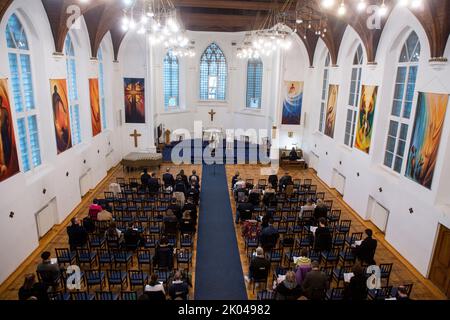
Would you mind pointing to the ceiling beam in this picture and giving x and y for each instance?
(228, 4)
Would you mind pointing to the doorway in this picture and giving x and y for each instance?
(440, 265)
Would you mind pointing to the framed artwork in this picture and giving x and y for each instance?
(61, 114)
(134, 100)
(292, 103)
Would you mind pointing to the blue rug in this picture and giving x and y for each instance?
(218, 268)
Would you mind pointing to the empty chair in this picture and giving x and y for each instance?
(144, 257)
(117, 278)
(344, 226)
(81, 295)
(137, 278)
(265, 295)
(276, 255)
(105, 257)
(122, 257)
(65, 256)
(339, 240)
(386, 269)
(97, 241)
(334, 215)
(95, 278)
(106, 296)
(184, 256)
(150, 241)
(128, 295)
(356, 236)
(328, 203)
(330, 257)
(335, 294)
(86, 256)
(346, 257)
(186, 240)
(380, 294)
(338, 273)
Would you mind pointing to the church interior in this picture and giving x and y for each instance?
(224, 150)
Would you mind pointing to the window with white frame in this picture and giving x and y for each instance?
(354, 96)
(19, 57)
(254, 83)
(323, 102)
(213, 74)
(171, 81)
(73, 90)
(101, 77)
(400, 118)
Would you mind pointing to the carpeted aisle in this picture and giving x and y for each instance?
(219, 271)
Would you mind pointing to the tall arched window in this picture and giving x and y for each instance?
(101, 77)
(400, 118)
(73, 90)
(171, 80)
(22, 85)
(323, 103)
(213, 74)
(353, 100)
(254, 83)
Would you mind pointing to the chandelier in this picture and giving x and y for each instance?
(157, 19)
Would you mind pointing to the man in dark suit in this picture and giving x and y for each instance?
(366, 251)
(320, 211)
(273, 180)
(244, 211)
(322, 237)
(168, 178)
(315, 283)
(78, 235)
(269, 237)
(145, 178)
(133, 239)
(153, 184)
(285, 181)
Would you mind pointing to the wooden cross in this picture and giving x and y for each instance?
(212, 113)
(135, 135)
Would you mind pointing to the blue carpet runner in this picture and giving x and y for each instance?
(218, 273)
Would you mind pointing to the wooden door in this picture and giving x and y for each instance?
(440, 266)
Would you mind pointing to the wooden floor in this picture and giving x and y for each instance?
(402, 273)
(57, 237)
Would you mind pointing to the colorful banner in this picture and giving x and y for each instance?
(426, 137)
(365, 119)
(9, 161)
(292, 104)
(61, 114)
(95, 107)
(330, 119)
(134, 100)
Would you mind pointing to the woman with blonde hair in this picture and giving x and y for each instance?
(288, 289)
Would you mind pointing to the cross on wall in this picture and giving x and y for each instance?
(135, 135)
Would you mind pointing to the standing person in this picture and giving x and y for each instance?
(94, 209)
(168, 179)
(357, 288)
(269, 237)
(285, 181)
(78, 235)
(320, 211)
(153, 184)
(49, 272)
(259, 267)
(234, 179)
(273, 180)
(184, 178)
(145, 179)
(194, 174)
(32, 289)
(309, 206)
(315, 283)
(322, 237)
(303, 265)
(366, 251)
(289, 289)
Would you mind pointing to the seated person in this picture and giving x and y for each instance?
(175, 208)
(259, 267)
(132, 238)
(154, 289)
(78, 236)
(244, 211)
(293, 156)
(94, 209)
(32, 289)
(366, 251)
(179, 289)
(193, 193)
(269, 237)
(192, 208)
(153, 184)
(288, 289)
(322, 237)
(254, 196)
(113, 234)
(187, 224)
(163, 257)
(49, 272)
(170, 222)
(285, 181)
(309, 206)
(184, 178)
(269, 197)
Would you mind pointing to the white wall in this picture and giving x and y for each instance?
(413, 235)
(23, 193)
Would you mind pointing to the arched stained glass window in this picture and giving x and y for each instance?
(254, 83)
(171, 81)
(213, 74)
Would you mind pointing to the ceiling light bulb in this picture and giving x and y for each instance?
(361, 5)
(342, 10)
(403, 3)
(383, 10)
(327, 3)
(416, 3)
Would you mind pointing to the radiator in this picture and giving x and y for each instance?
(85, 183)
(45, 218)
(313, 161)
(338, 182)
(378, 214)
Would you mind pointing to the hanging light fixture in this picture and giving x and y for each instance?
(157, 19)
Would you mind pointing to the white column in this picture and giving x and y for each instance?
(150, 98)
